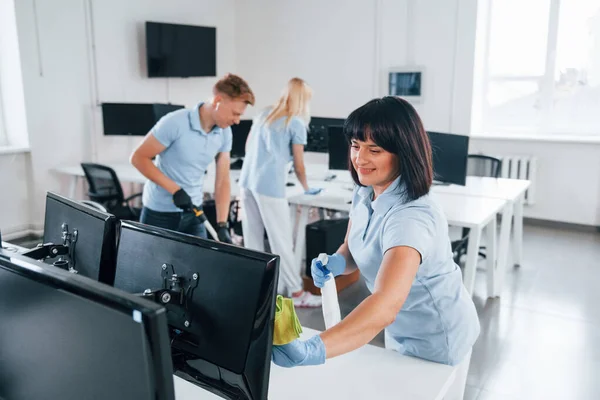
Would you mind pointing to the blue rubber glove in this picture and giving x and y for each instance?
(320, 274)
(300, 353)
(313, 191)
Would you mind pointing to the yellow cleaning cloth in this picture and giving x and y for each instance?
(287, 326)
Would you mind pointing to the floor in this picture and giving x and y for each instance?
(541, 338)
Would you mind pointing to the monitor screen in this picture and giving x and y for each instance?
(66, 337)
(317, 140)
(128, 119)
(90, 235)
(240, 134)
(450, 154)
(222, 335)
(180, 50)
(405, 83)
(338, 148)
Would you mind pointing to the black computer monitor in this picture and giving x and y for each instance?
(317, 140)
(240, 134)
(67, 337)
(338, 148)
(450, 154)
(220, 302)
(130, 119)
(78, 238)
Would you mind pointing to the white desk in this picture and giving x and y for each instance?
(367, 373)
(128, 173)
(465, 207)
(475, 213)
(511, 190)
(13, 247)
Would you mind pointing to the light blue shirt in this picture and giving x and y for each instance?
(268, 152)
(189, 151)
(438, 320)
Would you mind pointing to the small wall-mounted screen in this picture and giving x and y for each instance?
(405, 83)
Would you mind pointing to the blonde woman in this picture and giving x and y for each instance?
(278, 136)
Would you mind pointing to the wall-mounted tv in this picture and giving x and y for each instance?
(174, 50)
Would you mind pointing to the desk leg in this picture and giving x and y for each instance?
(301, 236)
(293, 215)
(518, 231)
(472, 254)
(492, 266)
(503, 247)
(73, 186)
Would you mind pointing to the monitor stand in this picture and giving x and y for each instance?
(237, 164)
(438, 183)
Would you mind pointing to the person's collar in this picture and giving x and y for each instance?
(195, 122)
(395, 193)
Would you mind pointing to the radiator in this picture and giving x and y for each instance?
(520, 167)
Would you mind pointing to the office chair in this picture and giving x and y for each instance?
(105, 189)
(477, 165)
(94, 205)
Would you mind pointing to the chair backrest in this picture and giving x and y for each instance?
(482, 165)
(104, 185)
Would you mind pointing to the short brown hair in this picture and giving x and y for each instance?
(235, 87)
(394, 125)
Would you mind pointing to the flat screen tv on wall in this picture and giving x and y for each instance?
(183, 51)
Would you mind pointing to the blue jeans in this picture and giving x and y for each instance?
(184, 222)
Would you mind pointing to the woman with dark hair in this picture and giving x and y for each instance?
(398, 238)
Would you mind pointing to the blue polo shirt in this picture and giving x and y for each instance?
(438, 321)
(189, 150)
(268, 153)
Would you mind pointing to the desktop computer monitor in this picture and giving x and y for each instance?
(450, 154)
(338, 148)
(78, 238)
(131, 119)
(317, 140)
(67, 337)
(220, 302)
(240, 134)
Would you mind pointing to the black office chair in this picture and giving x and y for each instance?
(105, 189)
(477, 165)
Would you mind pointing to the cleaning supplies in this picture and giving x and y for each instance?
(331, 305)
(287, 326)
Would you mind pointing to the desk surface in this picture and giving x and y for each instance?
(498, 188)
(460, 210)
(367, 373)
(465, 206)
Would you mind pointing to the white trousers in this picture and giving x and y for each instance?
(457, 388)
(272, 214)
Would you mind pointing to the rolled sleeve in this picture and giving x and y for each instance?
(415, 228)
(227, 141)
(298, 130)
(166, 130)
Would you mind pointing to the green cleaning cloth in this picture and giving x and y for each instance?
(287, 326)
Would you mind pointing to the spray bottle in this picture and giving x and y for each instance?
(331, 305)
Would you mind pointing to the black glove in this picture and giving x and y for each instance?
(223, 233)
(183, 200)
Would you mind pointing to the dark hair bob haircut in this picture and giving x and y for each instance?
(394, 125)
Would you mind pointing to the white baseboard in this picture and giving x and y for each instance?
(18, 232)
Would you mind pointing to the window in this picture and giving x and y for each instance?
(542, 67)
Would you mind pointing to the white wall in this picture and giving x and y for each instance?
(15, 176)
(567, 179)
(344, 48)
(11, 82)
(66, 76)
